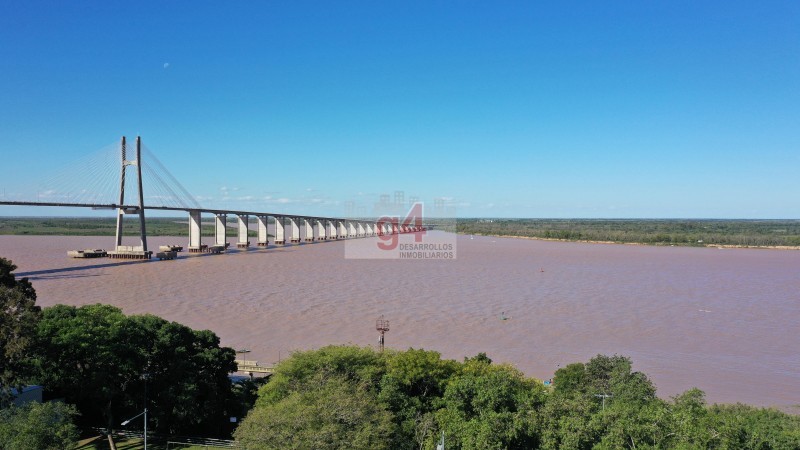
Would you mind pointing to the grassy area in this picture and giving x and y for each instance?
(101, 443)
(754, 233)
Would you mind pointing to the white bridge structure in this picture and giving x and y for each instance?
(286, 228)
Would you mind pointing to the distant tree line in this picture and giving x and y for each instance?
(758, 233)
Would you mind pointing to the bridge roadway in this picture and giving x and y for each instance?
(285, 226)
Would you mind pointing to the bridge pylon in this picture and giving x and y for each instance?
(123, 251)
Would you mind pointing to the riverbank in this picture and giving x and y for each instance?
(721, 233)
(721, 246)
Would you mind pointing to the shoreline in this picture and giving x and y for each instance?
(586, 241)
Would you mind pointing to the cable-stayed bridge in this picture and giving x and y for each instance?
(99, 182)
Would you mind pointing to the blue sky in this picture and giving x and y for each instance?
(505, 109)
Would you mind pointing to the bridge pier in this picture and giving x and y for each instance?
(321, 230)
(221, 231)
(342, 226)
(360, 229)
(242, 222)
(195, 227)
(280, 230)
(309, 229)
(263, 236)
(294, 228)
(331, 229)
(351, 229)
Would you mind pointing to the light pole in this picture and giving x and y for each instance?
(604, 397)
(243, 351)
(143, 413)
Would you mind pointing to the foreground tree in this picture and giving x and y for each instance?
(363, 366)
(351, 397)
(412, 386)
(491, 407)
(100, 360)
(326, 412)
(741, 426)
(38, 426)
(19, 316)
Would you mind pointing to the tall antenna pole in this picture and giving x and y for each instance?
(381, 325)
(143, 234)
(120, 211)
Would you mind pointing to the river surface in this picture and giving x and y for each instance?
(725, 321)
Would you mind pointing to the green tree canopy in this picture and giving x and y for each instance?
(38, 426)
(361, 365)
(19, 316)
(413, 383)
(481, 405)
(491, 407)
(326, 412)
(100, 359)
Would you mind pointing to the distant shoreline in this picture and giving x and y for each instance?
(585, 241)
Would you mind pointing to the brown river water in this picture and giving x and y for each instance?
(725, 321)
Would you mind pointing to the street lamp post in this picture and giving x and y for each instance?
(244, 352)
(604, 397)
(143, 413)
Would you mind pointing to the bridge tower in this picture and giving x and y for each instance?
(127, 251)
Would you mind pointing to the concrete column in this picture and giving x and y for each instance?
(280, 234)
(120, 211)
(243, 241)
(351, 229)
(221, 230)
(142, 232)
(331, 229)
(195, 238)
(263, 235)
(342, 234)
(308, 224)
(294, 228)
(321, 235)
(369, 229)
(394, 228)
(361, 231)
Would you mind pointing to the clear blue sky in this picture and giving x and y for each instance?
(515, 109)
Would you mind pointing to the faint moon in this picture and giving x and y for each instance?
(166, 65)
